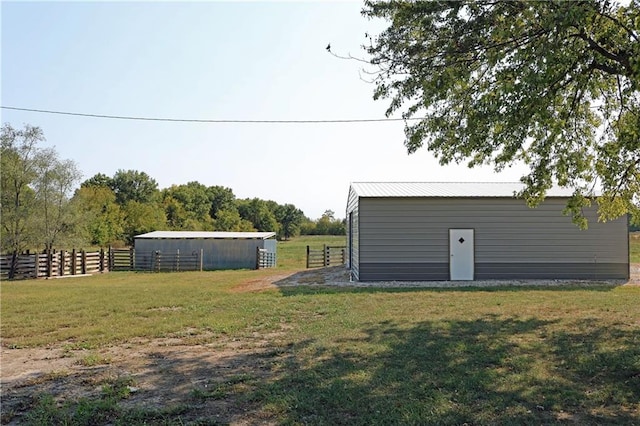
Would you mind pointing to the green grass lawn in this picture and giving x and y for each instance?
(355, 356)
(292, 253)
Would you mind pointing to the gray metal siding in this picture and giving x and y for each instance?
(554, 271)
(217, 253)
(353, 244)
(353, 234)
(352, 200)
(386, 271)
(511, 240)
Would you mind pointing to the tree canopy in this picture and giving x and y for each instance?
(19, 158)
(132, 185)
(102, 218)
(35, 188)
(552, 84)
(39, 209)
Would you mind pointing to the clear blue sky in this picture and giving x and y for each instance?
(211, 60)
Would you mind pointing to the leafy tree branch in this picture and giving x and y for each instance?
(553, 84)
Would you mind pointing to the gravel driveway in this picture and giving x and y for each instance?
(339, 276)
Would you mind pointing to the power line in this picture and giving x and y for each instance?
(195, 120)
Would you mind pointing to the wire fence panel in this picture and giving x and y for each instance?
(265, 259)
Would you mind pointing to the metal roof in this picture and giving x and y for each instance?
(207, 235)
(446, 189)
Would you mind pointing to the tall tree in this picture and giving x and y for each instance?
(257, 212)
(19, 161)
(132, 185)
(222, 199)
(329, 225)
(290, 219)
(101, 217)
(177, 215)
(553, 84)
(230, 220)
(54, 187)
(99, 179)
(36, 186)
(140, 218)
(194, 205)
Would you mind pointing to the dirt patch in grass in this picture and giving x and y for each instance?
(334, 275)
(189, 382)
(178, 375)
(259, 284)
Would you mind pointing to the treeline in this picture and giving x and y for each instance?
(42, 205)
(130, 203)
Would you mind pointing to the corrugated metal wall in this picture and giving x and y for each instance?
(353, 237)
(407, 239)
(353, 245)
(217, 253)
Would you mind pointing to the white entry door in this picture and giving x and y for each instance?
(461, 254)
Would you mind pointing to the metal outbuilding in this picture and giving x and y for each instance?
(217, 250)
(415, 231)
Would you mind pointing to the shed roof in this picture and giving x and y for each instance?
(207, 235)
(446, 189)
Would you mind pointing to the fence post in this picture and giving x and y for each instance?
(61, 263)
(157, 261)
(257, 257)
(201, 258)
(73, 262)
(28, 253)
(83, 264)
(49, 263)
(37, 264)
(13, 264)
(178, 260)
(131, 259)
(327, 261)
(27, 272)
(308, 251)
(344, 260)
(101, 260)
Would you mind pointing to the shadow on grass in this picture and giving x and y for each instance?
(489, 371)
(486, 371)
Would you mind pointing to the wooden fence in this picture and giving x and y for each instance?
(122, 259)
(326, 256)
(53, 264)
(69, 263)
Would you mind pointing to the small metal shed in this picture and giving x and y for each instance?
(432, 231)
(218, 250)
